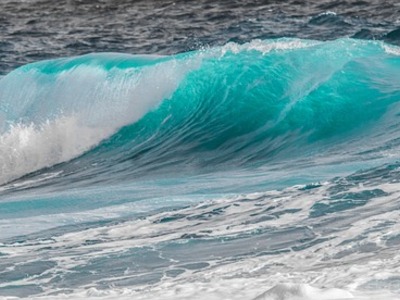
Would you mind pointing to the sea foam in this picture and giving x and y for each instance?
(51, 112)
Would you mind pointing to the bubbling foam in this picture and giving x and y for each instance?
(26, 148)
(51, 114)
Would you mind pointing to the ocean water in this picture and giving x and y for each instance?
(199, 150)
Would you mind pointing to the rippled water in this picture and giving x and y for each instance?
(33, 30)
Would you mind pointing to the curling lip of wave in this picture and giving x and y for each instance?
(237, 104)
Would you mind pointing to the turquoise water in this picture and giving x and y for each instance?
(238, 106)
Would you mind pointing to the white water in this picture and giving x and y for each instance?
(216, 287)
(49, 119)
(353, 259)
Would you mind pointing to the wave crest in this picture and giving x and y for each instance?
(237, 105)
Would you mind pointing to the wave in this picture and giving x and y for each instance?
(236, 105)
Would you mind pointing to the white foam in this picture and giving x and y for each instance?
(217, 289)
(328, 13)
(335, 268)
(391, 49)
(303, 292)
(26, 148)
(65, 116)
(266, 47)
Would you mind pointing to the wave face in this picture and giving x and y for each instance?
(260, 103)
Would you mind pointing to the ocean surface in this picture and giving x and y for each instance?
(199, 150)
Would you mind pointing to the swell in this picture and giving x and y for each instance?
(268, 103)
(236, 106)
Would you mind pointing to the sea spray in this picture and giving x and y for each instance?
(56, 110)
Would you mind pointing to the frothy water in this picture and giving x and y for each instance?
(55, 111)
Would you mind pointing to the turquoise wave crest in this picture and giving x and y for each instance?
(236, 105)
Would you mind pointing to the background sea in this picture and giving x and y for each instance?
(199, 149)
